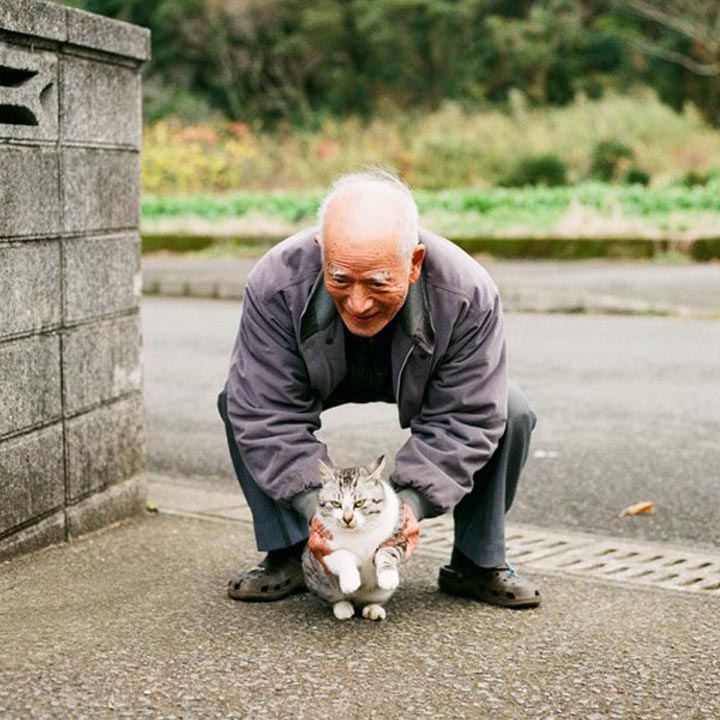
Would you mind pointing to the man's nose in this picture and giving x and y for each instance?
(358, 301)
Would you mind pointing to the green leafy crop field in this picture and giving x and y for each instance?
(587, 209)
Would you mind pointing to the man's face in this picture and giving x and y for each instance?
(368, 280)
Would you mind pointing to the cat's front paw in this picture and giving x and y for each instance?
(349, 581)
(388, 578)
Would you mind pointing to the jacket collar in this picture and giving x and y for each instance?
(319, 311)
(415, 319)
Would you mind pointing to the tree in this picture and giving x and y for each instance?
(689, 36)
(539, 53)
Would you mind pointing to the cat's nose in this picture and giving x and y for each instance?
(348, 517)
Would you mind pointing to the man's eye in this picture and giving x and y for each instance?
(359, 503)
(335, 504)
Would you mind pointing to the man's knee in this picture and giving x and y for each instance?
(521, 417)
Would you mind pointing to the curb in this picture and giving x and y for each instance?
(700, 249)
(514, 300)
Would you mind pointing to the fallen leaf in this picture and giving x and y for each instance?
(641, 508)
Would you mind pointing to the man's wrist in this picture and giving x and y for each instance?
(420, 507)
(305, 503)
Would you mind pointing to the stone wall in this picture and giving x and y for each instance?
(71, 415)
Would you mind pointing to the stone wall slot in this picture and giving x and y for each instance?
(21, 94)
(27, 89)
(13, 77)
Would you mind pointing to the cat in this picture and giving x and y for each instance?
(360, 511)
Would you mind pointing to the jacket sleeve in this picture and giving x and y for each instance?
(271, 407)
(464, 412)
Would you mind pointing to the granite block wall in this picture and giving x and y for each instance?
(71, 413)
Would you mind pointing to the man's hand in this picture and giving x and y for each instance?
(318, 541)
(407, 536)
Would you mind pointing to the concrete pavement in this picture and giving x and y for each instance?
(133, 621)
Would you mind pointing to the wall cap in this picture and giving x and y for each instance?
(50, 21)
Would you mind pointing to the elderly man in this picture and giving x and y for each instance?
(368, 307)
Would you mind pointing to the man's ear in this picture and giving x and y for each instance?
(416, 261)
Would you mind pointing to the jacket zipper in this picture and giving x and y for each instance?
(400, 373)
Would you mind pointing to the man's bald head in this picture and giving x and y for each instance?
(368, 207)
(371, 254)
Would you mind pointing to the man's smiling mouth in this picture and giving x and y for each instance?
(360, 320)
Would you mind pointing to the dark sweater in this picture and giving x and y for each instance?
(369, 370)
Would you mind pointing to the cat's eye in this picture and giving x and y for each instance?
(335, 503)
(359, 503)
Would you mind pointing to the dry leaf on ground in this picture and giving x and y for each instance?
(641, 508)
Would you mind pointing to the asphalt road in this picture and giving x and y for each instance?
(629, 410)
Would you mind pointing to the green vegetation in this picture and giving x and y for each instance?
(608, 159)
(547, 169)
(448, 148)
(591, 210)
(634, 201)
(599, 118)
(292, 207)
(290, 61)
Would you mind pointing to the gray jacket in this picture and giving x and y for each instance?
(449, 370)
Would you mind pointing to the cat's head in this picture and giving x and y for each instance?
(349, 497)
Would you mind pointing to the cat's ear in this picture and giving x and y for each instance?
(326, 472)
(375, 469)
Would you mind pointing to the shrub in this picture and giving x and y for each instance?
(695, 178)
(547, 169)
(637, 176)
(609, 158)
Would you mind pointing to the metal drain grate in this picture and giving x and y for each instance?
(656, 566)
(644, 564)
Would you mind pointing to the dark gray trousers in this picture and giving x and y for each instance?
(479, 517)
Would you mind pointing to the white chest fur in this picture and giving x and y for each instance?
(364, 540)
